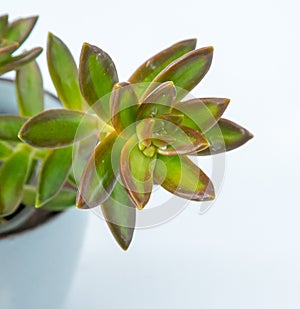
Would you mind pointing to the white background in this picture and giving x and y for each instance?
(245, 251)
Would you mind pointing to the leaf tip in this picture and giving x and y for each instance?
(124, 243)
(226, 101)
(20, 136)
(79, 202)
(50, 36)
(209, 194)
(38, 203)
(117, 86)
(192, 42)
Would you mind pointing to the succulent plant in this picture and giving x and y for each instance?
(146, 129)
(34, 177)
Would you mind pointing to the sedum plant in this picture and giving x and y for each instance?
(146, 128)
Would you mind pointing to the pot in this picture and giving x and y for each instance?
(37, 264)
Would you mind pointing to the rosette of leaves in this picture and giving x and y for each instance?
(40, 177)
(147, 131)
(12, 36)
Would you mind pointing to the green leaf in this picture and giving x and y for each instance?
(53, 174)
(64, 74)
(201, 114)
(10, 126)
(20, 29)
(3, 25)
(13, 175)
(136, 170)
(99, 176)
(185, 72)
(225, 136)
(97, 76)
(15, 63)
(150, 68)
(6, 49)
(30, 91)
(58, 128)
(124, 106)
(144, 132)
(159, 101)
(187, 141)
(120, 214)
(63, 200)
(180, 176)
(5, 150)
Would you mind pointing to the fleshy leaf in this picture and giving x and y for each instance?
(15, 63)
(64, 199)
(13, 175)
(10, 126)
(185, 72)
(6, 49)
(136, 170)
(5, 150)
(120, 214)
(97, 76)
(224, 136)
(99, 176)
(144, 131)
(64, 73)
(150, 68)
(20, 29)
(124, 105)
(57, 128)
(3, 25)
(53, 174)
(30, 91)
(203, 113)
(159, 101)
(187, 141)
(180, 176)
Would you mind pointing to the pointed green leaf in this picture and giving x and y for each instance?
(159, 101)
(57, 128)
(187, 141)
(64, 199)
(225, 136)
(30, 91)
(63, 72)
(53, 174)
(120, 213)
(185, 72)
(3, 25)
(13, 175)
(202, 114)
(5, 150)
(100, 173)
(136, 170)
(150, 68)
(97, 76)
(6, 49)
(10, 126)
(20, 29)
(15, 63)
(124, 105)
(180, 176)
